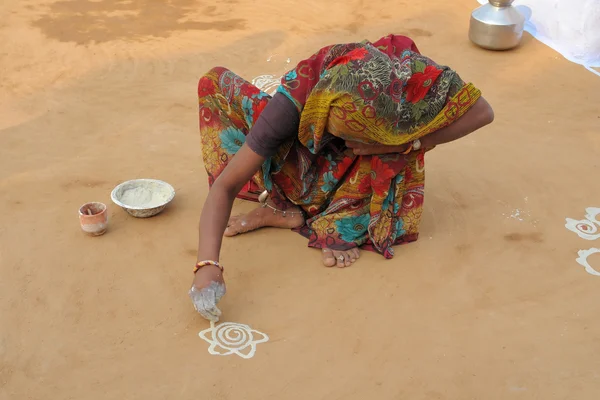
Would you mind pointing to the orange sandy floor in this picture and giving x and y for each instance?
(489, 304)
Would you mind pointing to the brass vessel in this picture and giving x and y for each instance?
(497, 25)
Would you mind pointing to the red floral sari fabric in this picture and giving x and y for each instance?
(383, 92)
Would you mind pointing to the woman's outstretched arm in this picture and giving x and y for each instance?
(219, 202)
(480, 115)
(208, 286)
(277, 123)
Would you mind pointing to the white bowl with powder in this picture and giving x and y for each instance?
(143, 198)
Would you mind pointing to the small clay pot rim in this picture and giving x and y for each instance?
(92, 203)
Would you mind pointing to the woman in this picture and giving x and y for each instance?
(338, 151)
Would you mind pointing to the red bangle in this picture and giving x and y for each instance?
(207, 262)
(410, 148)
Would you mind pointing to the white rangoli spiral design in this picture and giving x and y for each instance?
(592, 214)
(588, 229)
(585, 228)
(583, 260)
(231, 338)
(233, 335)
(267, 83)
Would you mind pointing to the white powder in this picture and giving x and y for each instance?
(142, 197)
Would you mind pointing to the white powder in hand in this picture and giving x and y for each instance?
(142, 197)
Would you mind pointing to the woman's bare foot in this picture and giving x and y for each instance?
(340, 259)
(262, 218)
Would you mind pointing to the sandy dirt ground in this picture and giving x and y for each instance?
(488, 304)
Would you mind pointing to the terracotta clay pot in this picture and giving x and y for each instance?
(93, 218)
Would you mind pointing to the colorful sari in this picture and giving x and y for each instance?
(383, 92)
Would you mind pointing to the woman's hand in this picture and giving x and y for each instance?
(208, 286)
(362, 149)
(207, 289)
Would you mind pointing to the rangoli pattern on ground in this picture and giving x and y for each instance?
(583, 260)
(231, 338)
(267, 83)
(587, 229)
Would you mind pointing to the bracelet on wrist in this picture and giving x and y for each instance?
(410, 148)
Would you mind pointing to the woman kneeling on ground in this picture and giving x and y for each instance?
(336, 155)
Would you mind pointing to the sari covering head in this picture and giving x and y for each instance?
(383, 92)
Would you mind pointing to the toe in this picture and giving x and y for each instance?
(356, 253)
(235, 228)
(233, 220)
(340, 258)
(328, 258)
(349, 258)
(229, 232)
